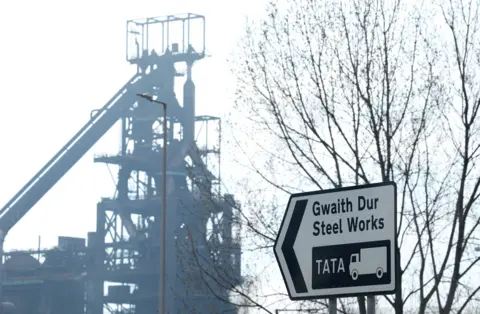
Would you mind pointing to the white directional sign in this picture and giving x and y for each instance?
(339, 242)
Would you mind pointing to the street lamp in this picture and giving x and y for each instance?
(163, 218)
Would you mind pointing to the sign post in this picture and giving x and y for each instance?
(371, 304)
(339, 243)
(332, 306)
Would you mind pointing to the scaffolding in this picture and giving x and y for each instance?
(117, 268)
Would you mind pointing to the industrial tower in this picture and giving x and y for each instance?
(118, 270)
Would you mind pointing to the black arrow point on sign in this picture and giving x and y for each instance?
(287, 247)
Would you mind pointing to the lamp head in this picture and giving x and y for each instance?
(145, 96)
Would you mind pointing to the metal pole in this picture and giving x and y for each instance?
(371, 304)
(164, 212)
(332, 306)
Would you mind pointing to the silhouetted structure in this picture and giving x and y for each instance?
(118, 270)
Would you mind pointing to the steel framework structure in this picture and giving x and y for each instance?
(121, 261)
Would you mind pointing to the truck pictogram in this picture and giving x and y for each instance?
(369, 261)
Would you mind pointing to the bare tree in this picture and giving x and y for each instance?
(336, 93)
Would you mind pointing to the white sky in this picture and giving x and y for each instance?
(59, 60)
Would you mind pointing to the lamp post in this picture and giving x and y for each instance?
(163, 214)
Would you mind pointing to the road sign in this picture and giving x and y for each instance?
(340, 242)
